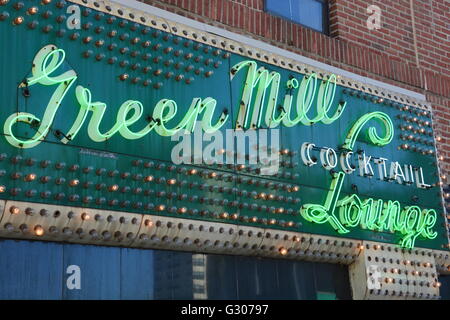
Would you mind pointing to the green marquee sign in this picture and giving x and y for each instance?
(90, 116)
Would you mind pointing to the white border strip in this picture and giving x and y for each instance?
(264, 46)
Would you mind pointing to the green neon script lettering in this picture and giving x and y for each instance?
(253, 99)
(371, 214)
(46, 62)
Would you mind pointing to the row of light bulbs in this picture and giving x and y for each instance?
(39, 231)
(401, 293)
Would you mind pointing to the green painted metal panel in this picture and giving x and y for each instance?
(110, 53)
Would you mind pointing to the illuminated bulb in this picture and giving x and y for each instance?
(234, 216)
(224, 215)
(182, 210)
(395, 270)
(441, 158)
(149, 179)
(283, 251)
(295, 188)
(438, 139)
(114, 188)
(296, 239)
(85, 216)
(192, 171)
(2, 189)
(361, 247)
(149, 223)
(254, 219)
(30, 177)
(3, 2)
(171, 182)
(45, 2)
(74, 182)
(160, 207)
(18, 20)
(32, 10)
(14, 210)
(39, 231)
(272, 221)
(389, 280)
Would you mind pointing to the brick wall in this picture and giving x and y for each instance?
(417, 58)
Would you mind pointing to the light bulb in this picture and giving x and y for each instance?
(30, 177)
(114, 188)
(18, 20)
(32, 10)
(39, 231)
(14, 210)
(74, 182)
(283, 251)
(224, 215)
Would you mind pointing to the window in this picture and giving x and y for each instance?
(310, 13)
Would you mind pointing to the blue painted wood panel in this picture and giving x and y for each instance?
(31, 270)
(137, 274)
(37, 270)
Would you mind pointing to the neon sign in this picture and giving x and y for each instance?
(47, 62)
(314, 103)
(49, 59)
(371, 214)
(260, 79)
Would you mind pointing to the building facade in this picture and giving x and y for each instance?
(224, 149)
